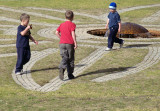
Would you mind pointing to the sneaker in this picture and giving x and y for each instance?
(121, 45)
(18, 73)
(71, 76)
(61, 73)
(22, 71)
(108, 49)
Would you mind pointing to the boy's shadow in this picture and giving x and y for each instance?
(45, 69)
(107, 71)
(54, 68)
(137, 45)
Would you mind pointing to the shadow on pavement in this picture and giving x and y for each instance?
(107, 71)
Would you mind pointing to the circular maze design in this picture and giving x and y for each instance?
(26, 81)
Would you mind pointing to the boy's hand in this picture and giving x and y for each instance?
(29, 27)
(119, 30)
(106, 26)
(75, 46)
(36, 42)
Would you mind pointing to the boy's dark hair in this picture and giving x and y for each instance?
(69, 15)
(24, 16)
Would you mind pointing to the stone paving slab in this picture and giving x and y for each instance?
(34, 14)
(105, 41)
(31, 43)
(152, 18)
(8, 55)
(80, 32)
(34, 23)
(8, 26)
(7, 39)
(10, 31)
(31, 13)
(63, 11)
(48, 33)
(25, 80)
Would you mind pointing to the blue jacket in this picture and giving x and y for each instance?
(22, 41)
(114, 19)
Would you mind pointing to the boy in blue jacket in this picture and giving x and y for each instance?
(22, 43)
(114, 23)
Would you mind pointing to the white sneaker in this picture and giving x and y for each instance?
(121, 45)
(18, 73)
(108, 49)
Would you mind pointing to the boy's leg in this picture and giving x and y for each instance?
(19, 65)
(64, 61)
(70, 65)
(64, 55)
(27, 54)
(70, 70)
(118, 40)
(113, 33)
(111, 38)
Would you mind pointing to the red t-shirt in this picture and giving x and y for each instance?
(66, 29)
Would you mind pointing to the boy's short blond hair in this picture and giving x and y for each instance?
(69, 15)
(24, 16)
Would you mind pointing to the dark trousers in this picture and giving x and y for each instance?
(23, 56)
(112, 37)
(67, 53)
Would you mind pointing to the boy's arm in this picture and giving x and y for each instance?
(74, 39)
(24, 32)
(119, 30)
(58, 34)
(119, 23)
(31, 38)
(107, 23)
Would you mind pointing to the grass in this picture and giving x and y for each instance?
(76, 4)
(7, 42)
(138, 92)
(42, 74)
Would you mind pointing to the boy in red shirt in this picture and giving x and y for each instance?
(68, 44)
